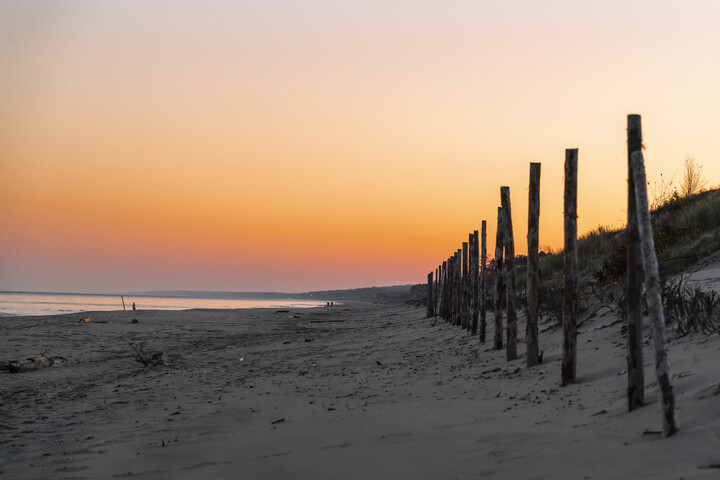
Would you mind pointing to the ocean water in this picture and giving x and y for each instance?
(15, 303)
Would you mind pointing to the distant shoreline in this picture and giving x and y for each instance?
(351, 293)
(17, 304)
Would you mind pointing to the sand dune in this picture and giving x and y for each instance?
(354, 391)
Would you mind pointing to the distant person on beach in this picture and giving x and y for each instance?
(133, 305)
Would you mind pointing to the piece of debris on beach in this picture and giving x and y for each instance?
(32, 364)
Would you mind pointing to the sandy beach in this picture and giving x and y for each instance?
(357, 391)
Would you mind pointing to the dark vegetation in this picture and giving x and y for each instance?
(691, 309)
(146, 358)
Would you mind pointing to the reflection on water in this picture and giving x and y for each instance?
(57, 303)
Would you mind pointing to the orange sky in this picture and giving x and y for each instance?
(294, 146)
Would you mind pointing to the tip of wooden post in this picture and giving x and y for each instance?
(634, 121)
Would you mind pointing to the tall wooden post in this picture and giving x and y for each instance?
(458, 290)
(499, 286)
(458, 287)
(464, 295)
(430, 295)
(509, 269)
(569, 315)
(444, 300)
(483, 273)
(636, 389)
(441, 300)
(533, 268)
(451, 289)
(438, 290)
(474, 281)
(453, 304)
(434, 290)
(470, 297)
(468, 284)
(654, 299)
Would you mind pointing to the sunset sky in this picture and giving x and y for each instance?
(304, 145)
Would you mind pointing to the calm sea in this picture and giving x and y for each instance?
(12, 303)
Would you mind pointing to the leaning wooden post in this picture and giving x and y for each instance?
(654, 299)
(483, 261)
(499, 281)
(636, 389)
(474, 281)
(533, 268)
(465, 310)
(430, 295)
(509, 269)
(569, 320)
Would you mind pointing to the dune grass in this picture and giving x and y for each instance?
(686, 231)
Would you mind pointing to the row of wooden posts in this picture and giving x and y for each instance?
(458, 289)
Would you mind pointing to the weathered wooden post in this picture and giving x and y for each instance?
(458, 288)
(436, 292)
(442, 303)
(470, 282)
(446, 291)
(654, 299)
(474, 281)
(636, 388)
(430, 295)
(458, 321)
(483, 273)
(455, 289)
(499, 235)
(533, 268)
(509, 269)
(464, 323)
(443, 273)
(453, 293)
(451, 290)
(569, 320)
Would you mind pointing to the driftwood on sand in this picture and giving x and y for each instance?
(31, 364)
